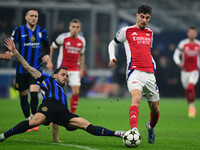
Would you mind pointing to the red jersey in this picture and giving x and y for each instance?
(190, 54)
(70, 49)
(137, 43)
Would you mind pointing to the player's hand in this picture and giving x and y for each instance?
(112, 62)
(9, 44)
(49, 65)
(58, 141)
(81, 73)
(8, 55)
(180, 64)
(45, 59)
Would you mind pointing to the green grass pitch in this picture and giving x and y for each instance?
(174, 131)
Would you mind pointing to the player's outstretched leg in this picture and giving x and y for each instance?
(80, 123)
(19, 128)
(101, 131)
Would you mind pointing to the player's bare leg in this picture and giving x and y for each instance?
(23, 126)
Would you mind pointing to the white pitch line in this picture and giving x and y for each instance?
(52, 143)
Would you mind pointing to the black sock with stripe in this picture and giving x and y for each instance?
(99, 131)
(19, 128)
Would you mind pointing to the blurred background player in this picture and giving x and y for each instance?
(137, 41)
(72, 48)
(30, 37)
(186, 56)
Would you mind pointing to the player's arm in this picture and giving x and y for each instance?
(120, 37)
(7, 55)
(176, 57)
(11, 46)
(55, 133)
(58, 42)
(45, 43)
(111, 52)
(50, 64)
(82, 63)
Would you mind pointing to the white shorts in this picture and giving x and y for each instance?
(146, 83)
(189, 77)
(74, 78)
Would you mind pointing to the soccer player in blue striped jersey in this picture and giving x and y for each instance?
(30, 38)
(54, 107)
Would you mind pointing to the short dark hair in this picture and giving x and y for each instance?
(145, 9)
(75, 21)
(35, 9)
(192, 27)
(58, 70)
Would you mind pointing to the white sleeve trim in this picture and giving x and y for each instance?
(111, 49)
(84, 45)
(54, 45)
(177, 55)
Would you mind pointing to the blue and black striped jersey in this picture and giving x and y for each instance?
(52, 89)
(30, 43)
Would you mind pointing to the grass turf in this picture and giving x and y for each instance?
(174, 131)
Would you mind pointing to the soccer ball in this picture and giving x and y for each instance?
(131, 138)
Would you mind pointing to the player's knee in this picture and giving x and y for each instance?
(37, 120)
(79, 123)
(23, 93)
(76, 92)
(34, 123)
(83, 124)
(136, 100)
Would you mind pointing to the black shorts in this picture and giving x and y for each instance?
(57, 113)
(23, 81)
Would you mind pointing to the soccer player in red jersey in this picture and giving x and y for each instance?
(141, 80)
(189, 50)
(72, 48)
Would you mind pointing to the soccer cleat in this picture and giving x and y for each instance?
(29, 130)
(191, 112)
(135, 129)
(151, 133)
(2, 138)
(36, 128)
(119, 133)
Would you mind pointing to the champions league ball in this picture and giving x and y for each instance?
(131, 138)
